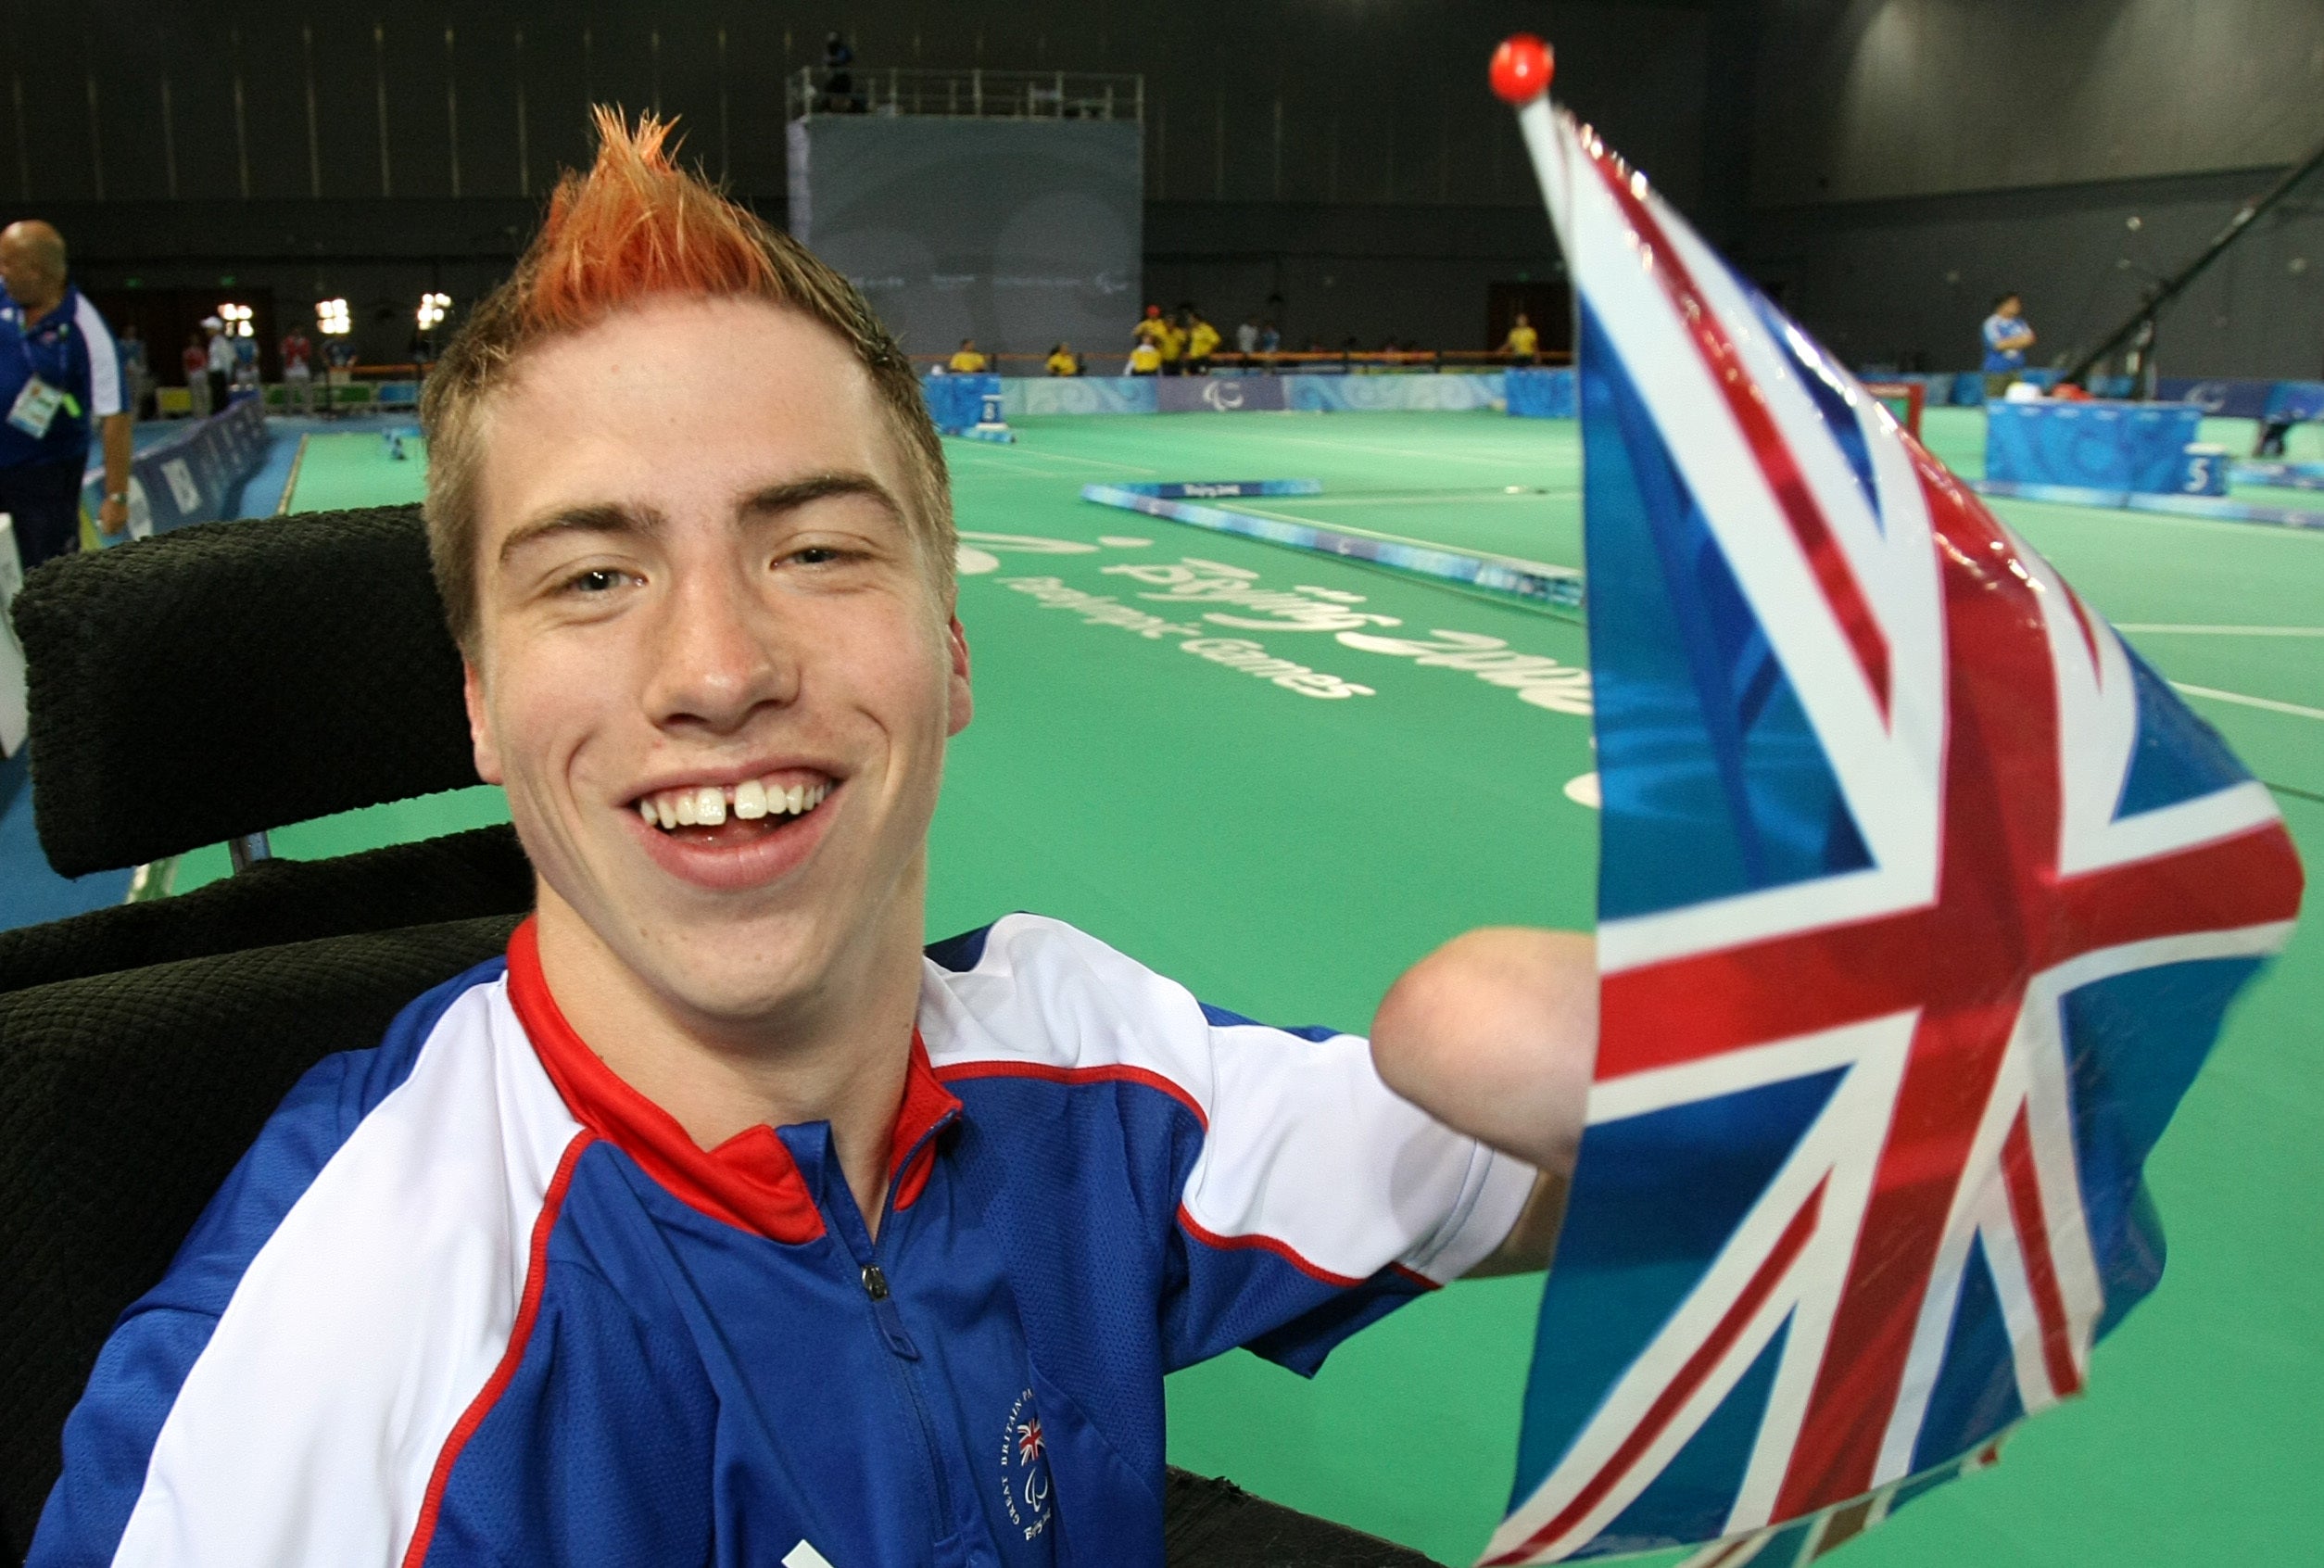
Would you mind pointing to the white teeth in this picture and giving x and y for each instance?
(709, 806)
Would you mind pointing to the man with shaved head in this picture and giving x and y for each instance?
(60, 380)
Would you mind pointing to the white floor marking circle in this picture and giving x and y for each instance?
(1583, 791)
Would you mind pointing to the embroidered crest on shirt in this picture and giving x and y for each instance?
(1025, 1489)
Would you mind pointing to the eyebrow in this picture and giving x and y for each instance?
(603, 517)
(792, 494)
(612, 518)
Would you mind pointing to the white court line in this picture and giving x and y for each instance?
(1045, 455)
(2221, 632)
(2294, 709)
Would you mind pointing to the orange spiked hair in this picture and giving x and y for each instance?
(638, 227)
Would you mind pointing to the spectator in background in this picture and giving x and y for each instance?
(1270, 337)
(298, 372)
(2006, 339)
(60, 381)
(1202, 341)
(194, 361)
(1173, 343)
(339, 361)
(1145, 359)
(245, 360)
(839, 80)
(136, 374)
(217, 364)
(1523, 344)
(1064, 361)
(1246, 336)
(965, 360)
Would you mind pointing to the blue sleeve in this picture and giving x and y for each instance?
(601, 1449)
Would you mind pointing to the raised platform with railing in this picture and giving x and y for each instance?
(975, 94)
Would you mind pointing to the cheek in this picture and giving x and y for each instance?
(545, 708)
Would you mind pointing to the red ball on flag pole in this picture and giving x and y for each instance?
(1522, 67)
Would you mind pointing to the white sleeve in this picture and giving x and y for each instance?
(1306, 1152)
(105, 361)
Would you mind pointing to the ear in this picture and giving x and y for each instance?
(479, 724)
(963, 702)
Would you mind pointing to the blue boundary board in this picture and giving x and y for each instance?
(1541, 584)
(2217, 508)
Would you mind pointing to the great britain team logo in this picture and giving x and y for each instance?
(1025, 1488)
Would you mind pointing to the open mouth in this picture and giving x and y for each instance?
(733, 814)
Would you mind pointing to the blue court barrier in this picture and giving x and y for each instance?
(2138, 448)
(2220, 509)
(1558, 586)
(1540, 394)
(956, 402)
(1025, 396)
(1392, 393)
(1218, 394)
(191, 475)
(1220, 489)
(2224, 397)
(2283, 475)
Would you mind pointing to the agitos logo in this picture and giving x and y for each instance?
(1025, 1489)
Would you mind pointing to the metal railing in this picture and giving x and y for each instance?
(975, 94)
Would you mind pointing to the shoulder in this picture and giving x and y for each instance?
(88, 320)
(1033, 997)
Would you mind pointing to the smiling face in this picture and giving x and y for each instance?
(710, 664)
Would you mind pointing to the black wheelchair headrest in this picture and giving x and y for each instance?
(232, 677)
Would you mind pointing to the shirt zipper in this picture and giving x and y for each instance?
(889, 1321)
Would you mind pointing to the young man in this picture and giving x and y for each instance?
(720, 1224)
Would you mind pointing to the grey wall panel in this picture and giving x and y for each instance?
(1907, 281)
(1861, 99)
(1017, 233)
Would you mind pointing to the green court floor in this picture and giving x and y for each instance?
(1287, 853)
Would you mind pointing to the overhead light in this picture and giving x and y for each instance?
(434, 308)
(332, 318)
(237, 320)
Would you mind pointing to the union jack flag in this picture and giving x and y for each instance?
(1920, 898)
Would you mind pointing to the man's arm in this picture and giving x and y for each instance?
(1495, 1034)
(113, 515)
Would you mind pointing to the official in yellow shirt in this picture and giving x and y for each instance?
(965, 360)
(1145, 360)
(1151, 327)
(1523, 344)
(1172, 342)
(1202, 339)
(1064, 361)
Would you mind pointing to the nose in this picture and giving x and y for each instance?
(721, 656)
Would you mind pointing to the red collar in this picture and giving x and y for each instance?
(749, 1181)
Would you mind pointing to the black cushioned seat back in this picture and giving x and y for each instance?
(233, 678)
(458, 877)
(124, 1100)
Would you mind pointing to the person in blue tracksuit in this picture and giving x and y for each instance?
(723, 1221)
(60, 384)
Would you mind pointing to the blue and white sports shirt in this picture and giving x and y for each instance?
(1998, 329)
(471, 1299)
(71, 349)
